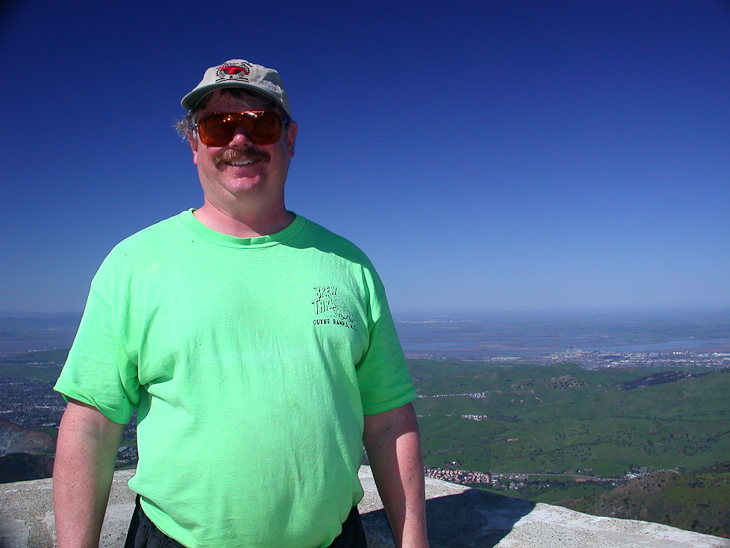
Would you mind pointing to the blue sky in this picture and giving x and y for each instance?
(487, 155)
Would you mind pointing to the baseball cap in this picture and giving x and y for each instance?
(239, 73)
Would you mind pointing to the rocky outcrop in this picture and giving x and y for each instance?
(24, 454)
(563, 382)
(458, 517)
(14, 439)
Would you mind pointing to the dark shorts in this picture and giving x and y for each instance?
(143, 533)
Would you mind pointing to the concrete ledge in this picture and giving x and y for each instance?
(458, 517)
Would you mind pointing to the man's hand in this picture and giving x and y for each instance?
(393, 445)
(86, 453)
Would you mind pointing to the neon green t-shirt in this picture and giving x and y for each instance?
(251, 363)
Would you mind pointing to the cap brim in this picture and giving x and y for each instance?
(192, 99)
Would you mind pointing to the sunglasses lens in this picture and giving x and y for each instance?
(266, 129)
(262, 127)
(217, 129)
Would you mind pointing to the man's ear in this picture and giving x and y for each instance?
(291, 137)
(193, 142)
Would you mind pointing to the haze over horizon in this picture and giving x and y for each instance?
(488, 156)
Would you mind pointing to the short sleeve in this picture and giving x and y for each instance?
(383, 376)
(97, 371)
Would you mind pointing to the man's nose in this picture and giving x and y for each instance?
(240, 137)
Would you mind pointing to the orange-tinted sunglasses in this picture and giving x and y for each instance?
(263, 127)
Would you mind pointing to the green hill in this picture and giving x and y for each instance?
(565, 419)
(696, 501)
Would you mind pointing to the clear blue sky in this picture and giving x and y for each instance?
(487, 155)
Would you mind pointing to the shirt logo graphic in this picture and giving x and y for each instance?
(329, 309)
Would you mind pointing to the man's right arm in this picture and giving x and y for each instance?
(86, 453)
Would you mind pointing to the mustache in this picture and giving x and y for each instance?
(237, 155)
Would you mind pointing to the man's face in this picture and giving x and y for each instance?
(241, 171)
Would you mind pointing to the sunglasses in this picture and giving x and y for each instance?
(263, 127)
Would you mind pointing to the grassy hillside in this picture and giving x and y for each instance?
(696, 501)
(566, 419)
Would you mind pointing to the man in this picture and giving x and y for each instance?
(258, 351)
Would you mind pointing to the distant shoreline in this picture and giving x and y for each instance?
(489, 334)
(445, 348)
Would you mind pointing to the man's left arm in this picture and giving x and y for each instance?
(393, 444)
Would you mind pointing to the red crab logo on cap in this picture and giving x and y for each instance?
(232, 72)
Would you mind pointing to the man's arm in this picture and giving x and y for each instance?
(393, 445)
(86, 453)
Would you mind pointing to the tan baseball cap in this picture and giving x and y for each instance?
(239, 73)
